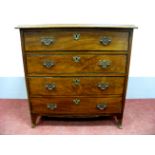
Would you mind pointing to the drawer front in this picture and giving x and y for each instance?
(48, 64)
(76, 105)
(75, 39)
(68, 86)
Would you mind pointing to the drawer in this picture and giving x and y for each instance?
(68, 86)
(59, 64)
(75, 39)
(75, 106)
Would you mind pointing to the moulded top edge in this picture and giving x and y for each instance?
(74, 26)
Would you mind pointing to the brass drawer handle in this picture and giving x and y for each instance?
(105, 41)
(52, 106)
(76, 101)
(50, 86)
(76, 36)
(48, 64)
(103, 86)
(47, 41)
(104, 63)
(76, 59)
(101, 106)
(76, 82)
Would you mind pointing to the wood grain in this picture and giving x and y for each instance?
(66, 86)
(65, 71)
(63, 40)
(66, 105)
(65, 64)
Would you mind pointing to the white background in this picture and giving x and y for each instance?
(17, 12)
(77, 145)
(138, 12)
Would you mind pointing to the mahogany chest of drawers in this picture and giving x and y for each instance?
(76, 70)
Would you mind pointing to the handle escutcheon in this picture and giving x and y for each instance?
(103, 86)
(105, 41)
(52, 106)
(48, 64)
(50, 86)
(104, 63)
(76, 101)
(47, 41)
(101, 106)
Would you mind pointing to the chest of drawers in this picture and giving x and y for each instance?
(76, 70)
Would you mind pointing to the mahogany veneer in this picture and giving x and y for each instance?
(76, 70)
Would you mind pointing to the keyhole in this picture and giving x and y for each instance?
(76, 59)
(76, 36)
(76, 82)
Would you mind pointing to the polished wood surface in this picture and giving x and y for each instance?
(66, 64)
(60, 68)
(66, 105)
(63, 40)
(66, 86)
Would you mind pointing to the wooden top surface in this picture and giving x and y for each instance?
(74, 26)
